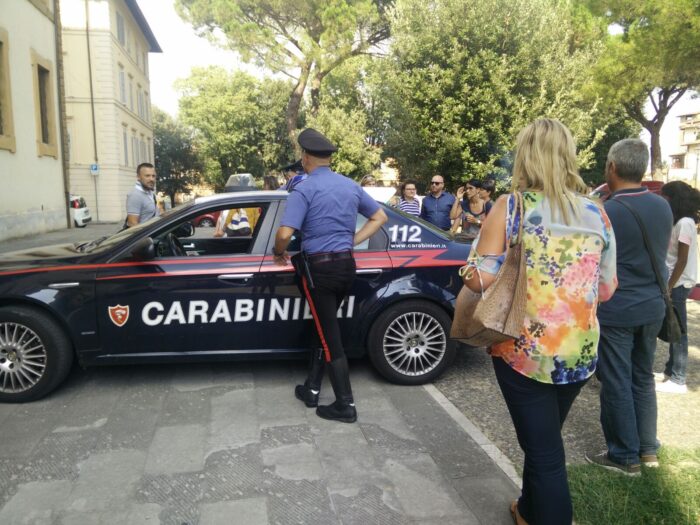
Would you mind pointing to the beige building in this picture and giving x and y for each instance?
(685, 163)
(108, 104)
(33, 197)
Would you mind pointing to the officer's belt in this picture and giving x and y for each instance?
(330, 256)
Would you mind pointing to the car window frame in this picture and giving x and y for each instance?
(124, 255)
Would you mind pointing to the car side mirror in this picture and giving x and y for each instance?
(144, 250)
(186, 229)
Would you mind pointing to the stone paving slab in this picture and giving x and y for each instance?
(228, 443)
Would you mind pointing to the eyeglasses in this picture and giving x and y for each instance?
(409, 189)
(436, 182)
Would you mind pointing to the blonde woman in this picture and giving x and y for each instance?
(569, 247)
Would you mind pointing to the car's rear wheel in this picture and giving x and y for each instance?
(206, 223)
(409, 342)
(35, 354)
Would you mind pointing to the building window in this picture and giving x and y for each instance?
(134, 150)
(122, 84)
(146, 108)
(142, 143)
(149, 150)
(125, 139)
(131, 93)
(139, 101)
(44, 107)
(7, 130)
(121, 30)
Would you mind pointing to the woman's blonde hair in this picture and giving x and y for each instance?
(545, 160)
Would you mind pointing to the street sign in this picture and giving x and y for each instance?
(94, 169)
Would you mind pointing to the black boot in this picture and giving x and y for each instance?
(309, 391)
(343, 409)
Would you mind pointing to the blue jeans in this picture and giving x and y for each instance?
(538, 411)
(627, 393)
(678, 352)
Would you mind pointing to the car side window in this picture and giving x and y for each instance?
(216, 232)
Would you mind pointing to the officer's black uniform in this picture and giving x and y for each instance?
(324, 208)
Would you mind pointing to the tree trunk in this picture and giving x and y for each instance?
(294, 103)
(655, 132)
(316, 92)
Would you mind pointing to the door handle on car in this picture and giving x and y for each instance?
(368, 271)
(235, 276)
(188, 245)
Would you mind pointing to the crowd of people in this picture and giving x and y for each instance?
(595, 304)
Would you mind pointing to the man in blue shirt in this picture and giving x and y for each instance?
(294, 173)
(631, 320)
(436, 206)
(324, 209)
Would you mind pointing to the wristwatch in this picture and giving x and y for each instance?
(277, 254)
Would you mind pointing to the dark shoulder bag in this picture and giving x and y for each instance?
(671, 328)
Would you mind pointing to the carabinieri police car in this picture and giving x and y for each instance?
(165, 291)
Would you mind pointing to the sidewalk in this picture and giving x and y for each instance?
(229, 444)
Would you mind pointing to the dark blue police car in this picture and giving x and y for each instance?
(165, 291)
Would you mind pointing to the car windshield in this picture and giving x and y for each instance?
(107, 242)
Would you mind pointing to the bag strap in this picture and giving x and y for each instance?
(662, 284)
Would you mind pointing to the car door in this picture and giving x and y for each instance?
(294, 329)
(206, 298)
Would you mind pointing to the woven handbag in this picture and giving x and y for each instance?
(498, 313)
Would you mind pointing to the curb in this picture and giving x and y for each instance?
(471, 429)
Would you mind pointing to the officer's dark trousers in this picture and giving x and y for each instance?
(332, 283)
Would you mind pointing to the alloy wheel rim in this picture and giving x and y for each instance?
(22, 358)
(414, 343)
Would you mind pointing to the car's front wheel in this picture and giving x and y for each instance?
(206, 223)
(35, 354)
(409, 342)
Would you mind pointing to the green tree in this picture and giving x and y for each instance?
(177, 161)
(466, 76)
(348, 130)
(655, 58)
(304, 40)
(239, 121)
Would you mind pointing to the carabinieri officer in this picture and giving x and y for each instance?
(324, 208)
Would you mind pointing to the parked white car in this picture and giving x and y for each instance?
(79, 211)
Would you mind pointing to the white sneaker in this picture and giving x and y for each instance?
(669, 387)
(661, 377)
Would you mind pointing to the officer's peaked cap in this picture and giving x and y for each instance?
(315, 143)
(294, 166)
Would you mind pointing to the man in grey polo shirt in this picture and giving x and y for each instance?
(141, 201)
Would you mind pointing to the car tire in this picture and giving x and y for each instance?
(29, 332)
(78, 225)
(409, 342)
(206, 223)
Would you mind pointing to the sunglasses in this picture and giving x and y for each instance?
(436, 182)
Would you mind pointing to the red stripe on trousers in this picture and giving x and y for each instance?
(326, 351)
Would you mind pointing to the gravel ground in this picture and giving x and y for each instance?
(471, 385)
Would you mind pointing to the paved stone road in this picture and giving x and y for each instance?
(228, 443)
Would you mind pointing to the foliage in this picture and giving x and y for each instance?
(668, 495)
(467, 76)
(177, 160)
(347, 130)
(239, 121)
(655, 58)
(619, 126)
(305, 40)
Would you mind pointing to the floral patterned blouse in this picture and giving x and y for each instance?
(570, 268)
